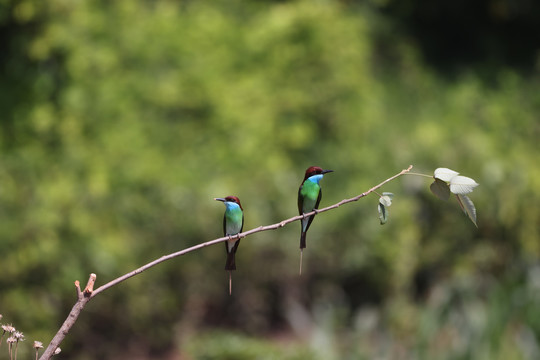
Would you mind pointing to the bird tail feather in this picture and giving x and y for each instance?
(230, 264)
(303, 240)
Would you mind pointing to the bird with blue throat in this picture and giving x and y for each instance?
(233, 223)
(309, 197)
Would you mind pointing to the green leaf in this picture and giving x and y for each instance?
(444, 174)
(468, 207)
(462, 185)
(440, 189)
(383, 214)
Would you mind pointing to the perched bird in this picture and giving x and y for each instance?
(233, 223)
(309, 197)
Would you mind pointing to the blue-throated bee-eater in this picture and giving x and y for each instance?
(309, 197)
(233, 223)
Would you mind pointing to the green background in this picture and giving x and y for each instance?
(122, 120)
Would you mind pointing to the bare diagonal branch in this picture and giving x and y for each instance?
(88, 294)
(242, 235)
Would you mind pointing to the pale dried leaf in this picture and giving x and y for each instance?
(468, 207)
(462, 185)
(444, 174)
(385, 200)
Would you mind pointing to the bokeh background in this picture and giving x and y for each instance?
(122, 120)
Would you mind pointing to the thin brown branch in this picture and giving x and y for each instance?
(86, 295)
(90, 285)
(78, 287)
(82, 299)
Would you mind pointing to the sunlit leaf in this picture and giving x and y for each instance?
(440, 189)
(444, 174)
(383, 214)
(386, 199)
(462, 185)
(468, 207)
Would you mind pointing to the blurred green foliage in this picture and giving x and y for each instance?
(122, 120)
(227, 346)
